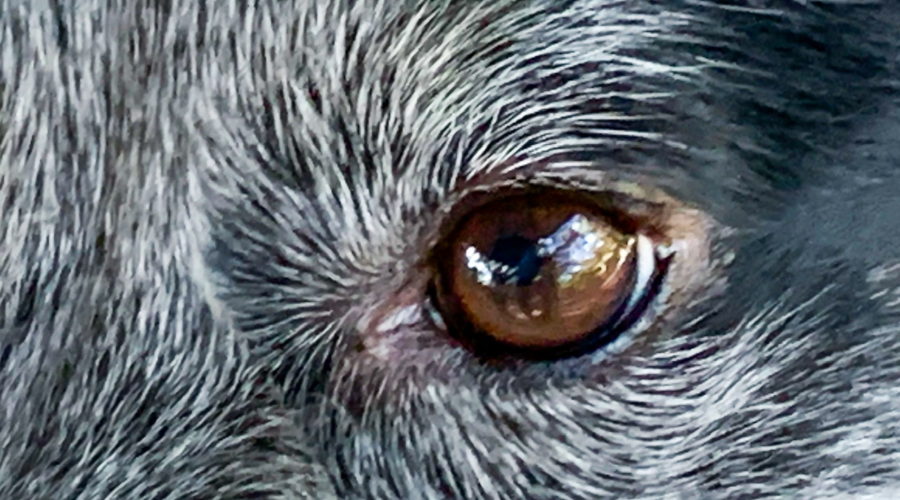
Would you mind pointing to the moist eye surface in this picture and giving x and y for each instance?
(542, 275)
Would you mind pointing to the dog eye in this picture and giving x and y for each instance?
(544, 275)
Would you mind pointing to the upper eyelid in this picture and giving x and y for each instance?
(621, 197)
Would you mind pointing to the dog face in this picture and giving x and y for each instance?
(225, 233)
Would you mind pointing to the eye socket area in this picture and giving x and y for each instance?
(543, 275)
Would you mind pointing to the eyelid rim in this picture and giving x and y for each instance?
(608, 202)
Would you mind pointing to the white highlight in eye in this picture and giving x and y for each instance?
(575, 240)
(477, 262)
(645, 269)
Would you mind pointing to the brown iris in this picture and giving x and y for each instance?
(535, 272)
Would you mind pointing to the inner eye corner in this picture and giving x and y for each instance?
(544, 273)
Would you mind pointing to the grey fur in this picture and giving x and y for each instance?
(202, 201)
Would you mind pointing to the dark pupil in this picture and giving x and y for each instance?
(519, 259)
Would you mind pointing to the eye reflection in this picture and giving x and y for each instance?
(539, 273)
(578, 247)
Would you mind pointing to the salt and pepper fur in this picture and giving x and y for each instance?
(202, 203)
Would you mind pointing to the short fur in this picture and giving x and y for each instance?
(203, 201)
